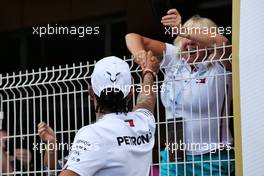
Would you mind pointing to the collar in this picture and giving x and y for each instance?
(104, 116)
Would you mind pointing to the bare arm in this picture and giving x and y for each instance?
(217, 41)
(5, 161)
(147, 98)
(210, 41)
(48, 135)
(50, 157)
(136, 43)
(139, 45)
(68, 173)
(173, 19)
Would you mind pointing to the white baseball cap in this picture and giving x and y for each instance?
(111, 72)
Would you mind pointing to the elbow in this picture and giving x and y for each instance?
(131, 36)
(128, 38)
(132, 41)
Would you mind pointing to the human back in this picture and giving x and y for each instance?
(125, 141)
(119, 139)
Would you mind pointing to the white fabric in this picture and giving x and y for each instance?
(198, 97)
(112, 147)
(111, 72)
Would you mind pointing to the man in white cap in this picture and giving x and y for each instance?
(120, 143)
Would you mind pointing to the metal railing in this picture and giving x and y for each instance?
(59, 97)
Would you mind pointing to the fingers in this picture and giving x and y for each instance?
(170, 23)
(41, 124)
(169, 17)
(42, 127)
(173, 21)
(42, 130)
(143, 64)
(149, 55)
(173, 18)
(140, 58)
(50, 130)
(46, 133)
(152, 62)
(172, 11)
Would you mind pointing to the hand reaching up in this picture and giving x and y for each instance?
(172, 19)
(46, 133)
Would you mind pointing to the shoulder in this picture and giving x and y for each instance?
(84, 129)
(170, 49)
(87, 132)
(170, 55)
(143, 115)
(142, 111)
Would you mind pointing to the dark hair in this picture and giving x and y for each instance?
(112, 100)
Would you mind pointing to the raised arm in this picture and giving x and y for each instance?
(217, 41)
(136, 43)
(147, 97)
(139, 45)
(173, 20)
(47, 135)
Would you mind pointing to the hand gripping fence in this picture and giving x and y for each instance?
(59, 96)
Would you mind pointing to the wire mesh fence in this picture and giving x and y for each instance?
(194, 119)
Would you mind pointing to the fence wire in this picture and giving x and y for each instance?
(59, 96)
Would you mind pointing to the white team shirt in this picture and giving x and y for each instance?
(198, 97)
(117, 144)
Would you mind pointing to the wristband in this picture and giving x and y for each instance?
(145, 71)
